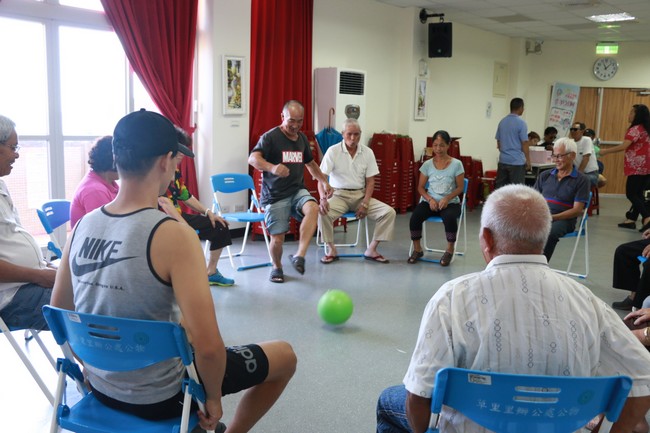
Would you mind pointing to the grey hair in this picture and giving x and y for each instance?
(7, 126)
(350, 121)
(568, 143)
(518, 218)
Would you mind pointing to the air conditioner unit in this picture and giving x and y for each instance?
(337, 92)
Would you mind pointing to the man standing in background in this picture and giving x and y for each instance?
(512, 142)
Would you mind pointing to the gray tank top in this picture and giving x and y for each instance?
(112, 275)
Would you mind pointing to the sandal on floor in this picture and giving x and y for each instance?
(415, 255)
(378, 258)
(277, 276)
(329, 259)
(298, 263)
(446, 258)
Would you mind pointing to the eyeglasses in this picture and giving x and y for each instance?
(15, 148)
(574, 129)
(560, 155)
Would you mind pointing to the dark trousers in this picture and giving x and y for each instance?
(635, 187)
(507, 174)
(627, 274)
(218, 236)
(558, 229)
(449, 217)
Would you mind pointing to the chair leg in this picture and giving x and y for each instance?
(25, 360)
(583, 232)
(243, 248)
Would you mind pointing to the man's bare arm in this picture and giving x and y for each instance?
(10, 273)
(418, 412)
(634, 411)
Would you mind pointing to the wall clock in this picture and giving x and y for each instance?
(605, 68)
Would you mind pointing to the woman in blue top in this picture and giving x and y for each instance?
(440, 185)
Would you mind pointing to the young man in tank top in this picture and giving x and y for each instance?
(122, 260)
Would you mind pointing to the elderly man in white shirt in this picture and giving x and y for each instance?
(517, 316)
(25, 279)
(352, 169)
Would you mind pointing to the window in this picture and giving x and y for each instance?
(69, 84)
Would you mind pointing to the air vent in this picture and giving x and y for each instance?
(351, 83)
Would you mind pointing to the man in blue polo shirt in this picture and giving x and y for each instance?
(566, 191)
(512, 142)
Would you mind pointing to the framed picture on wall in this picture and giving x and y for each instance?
(420, 112)
(233, 85)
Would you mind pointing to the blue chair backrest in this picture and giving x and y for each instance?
(524, 403)
(118, 344)
(231, 182)
(54, 213)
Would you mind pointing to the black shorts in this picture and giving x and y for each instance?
(218, 236)
(246, 366)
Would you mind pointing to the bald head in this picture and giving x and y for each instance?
(518, 220)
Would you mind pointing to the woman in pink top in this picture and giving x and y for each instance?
(98, 187)
(637, 166)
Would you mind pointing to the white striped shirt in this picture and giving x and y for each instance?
(519, 316)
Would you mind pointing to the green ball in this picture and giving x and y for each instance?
(335, 307)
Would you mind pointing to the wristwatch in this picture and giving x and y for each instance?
(364, 205)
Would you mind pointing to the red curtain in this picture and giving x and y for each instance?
(159, 38)
(281, 41)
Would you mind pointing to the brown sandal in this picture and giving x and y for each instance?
(415, 255)
(446, 258)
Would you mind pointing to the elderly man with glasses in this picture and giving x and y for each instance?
(26, 280)
(566, 191)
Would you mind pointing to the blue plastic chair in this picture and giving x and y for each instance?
(229, 183)
(514, 403)
(117, 344)
(577, 234)
(462, 225)
(54, 214)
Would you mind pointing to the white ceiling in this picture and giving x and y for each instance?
(561, 20)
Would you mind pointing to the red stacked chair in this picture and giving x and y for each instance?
(468, 165)
(454, 148)
(488, 183)
(406, 185)
(385, 149)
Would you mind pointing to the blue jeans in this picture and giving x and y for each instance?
(24, 310)
(391, 411)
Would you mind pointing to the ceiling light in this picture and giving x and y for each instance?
(610, 18)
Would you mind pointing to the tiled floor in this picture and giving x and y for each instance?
(341, 370)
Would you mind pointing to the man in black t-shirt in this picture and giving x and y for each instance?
(282, 154)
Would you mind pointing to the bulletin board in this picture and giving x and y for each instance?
(562, 107)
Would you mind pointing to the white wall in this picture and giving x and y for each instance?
(222, 141)
(387, 42)
(368, 36)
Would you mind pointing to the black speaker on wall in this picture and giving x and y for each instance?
(440, 39)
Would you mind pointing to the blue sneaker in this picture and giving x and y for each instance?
(217, 279)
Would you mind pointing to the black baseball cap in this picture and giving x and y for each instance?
(147, 134)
